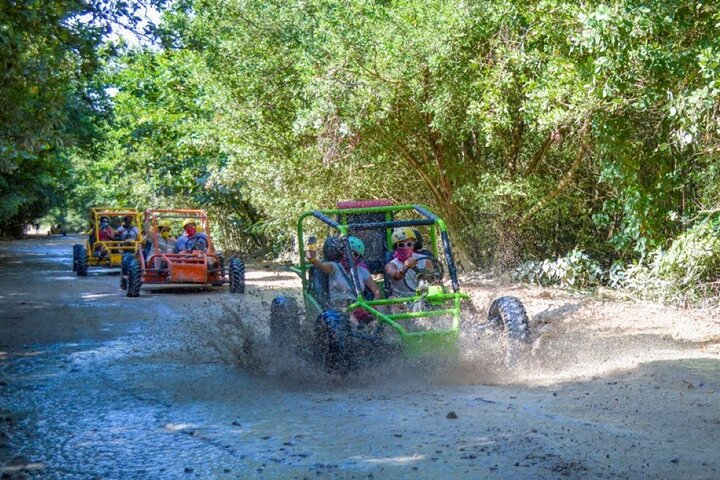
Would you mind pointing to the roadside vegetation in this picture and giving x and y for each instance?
(575, 143)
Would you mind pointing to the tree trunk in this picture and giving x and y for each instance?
(567, 177)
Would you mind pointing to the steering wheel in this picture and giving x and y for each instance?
(199, 244)
(433, 276)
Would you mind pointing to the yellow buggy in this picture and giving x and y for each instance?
(108, 239)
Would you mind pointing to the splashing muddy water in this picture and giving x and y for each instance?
(185, 384)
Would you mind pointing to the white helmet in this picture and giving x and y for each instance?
(401, 234)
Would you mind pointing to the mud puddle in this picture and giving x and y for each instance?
(186, 385)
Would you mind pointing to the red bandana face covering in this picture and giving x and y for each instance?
(356, 261)
(403, 253)
(190, 231)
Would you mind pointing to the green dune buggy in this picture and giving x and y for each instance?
(428, 322)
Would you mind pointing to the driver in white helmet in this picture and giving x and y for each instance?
(405, 264)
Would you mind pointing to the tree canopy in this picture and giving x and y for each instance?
(51, 103)
(534, 128)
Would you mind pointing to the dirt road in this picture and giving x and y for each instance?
(94, 385)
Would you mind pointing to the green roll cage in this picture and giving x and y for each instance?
(413, 342)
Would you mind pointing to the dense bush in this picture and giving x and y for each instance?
(51, 106)
(575, 270)
(686, 273)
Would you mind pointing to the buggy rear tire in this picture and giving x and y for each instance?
(82, 261)
(284, 321)
(75, 256)
(236, 272)
(134, 279)
(124, 271)
(332, 342)
(509, 315)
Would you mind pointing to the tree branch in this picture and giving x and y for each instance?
(567, 178)
(539, 155)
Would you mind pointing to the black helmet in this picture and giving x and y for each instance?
(332, 249)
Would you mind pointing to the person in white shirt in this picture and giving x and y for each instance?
(405, 264)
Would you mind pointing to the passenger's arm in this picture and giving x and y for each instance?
(326, 267)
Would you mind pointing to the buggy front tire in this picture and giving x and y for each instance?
(236, 272)
(123, 270)
(82, 261)
(509, 314)
(134, 279)
(332, 342)
(75, 256)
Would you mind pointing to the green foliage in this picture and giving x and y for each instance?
(575, 270)
(685, 273)
(161, 148)
(49, 104)
(532, 128)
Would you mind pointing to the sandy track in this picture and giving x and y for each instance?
(184, 385)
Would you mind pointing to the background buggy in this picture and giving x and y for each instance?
(83, 256)
(201, 266)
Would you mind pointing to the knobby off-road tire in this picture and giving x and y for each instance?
(220, 268)
(236, 272)
(134, 279)
(82, 261)
(332, 342)
(75, 256)
(508, 314)
(123, 269)
(284, 321)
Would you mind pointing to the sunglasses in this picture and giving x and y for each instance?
(404, 244)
